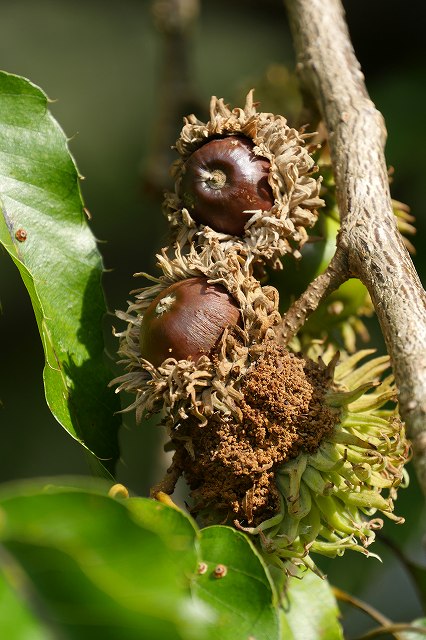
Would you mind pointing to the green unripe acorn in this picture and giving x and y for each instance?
(186, 320)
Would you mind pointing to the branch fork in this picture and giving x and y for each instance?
(369, 245)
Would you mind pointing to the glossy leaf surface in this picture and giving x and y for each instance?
(44, 229)
(244, 598)
(310, 611)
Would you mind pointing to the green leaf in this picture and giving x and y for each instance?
(175, 527)
(17, 620)
(310, 611)
(414, 635)
(244, 599)
(96, 571)
(44, 230)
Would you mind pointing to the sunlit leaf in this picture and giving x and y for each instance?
(415, 635)
(310, 610)
(44, 229)
(176, 528)
(244, 598)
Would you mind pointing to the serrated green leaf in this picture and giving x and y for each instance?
(310, 611)
(44, 230)
(97, 571)
(244, 599)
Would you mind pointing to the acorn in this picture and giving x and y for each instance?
(224, 182)
(186, 320)
(188, 313)
(246, 180)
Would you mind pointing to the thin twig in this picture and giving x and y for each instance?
(386, 625)
(369, 236)
(391, 629)
(343, 596)
(168, 483)
(335, 274)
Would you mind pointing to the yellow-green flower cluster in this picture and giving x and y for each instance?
(331, 500)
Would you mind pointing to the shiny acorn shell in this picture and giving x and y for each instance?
(224, 182)
(186, 321)
(265, 205)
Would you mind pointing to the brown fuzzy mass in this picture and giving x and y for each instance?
(230, 465)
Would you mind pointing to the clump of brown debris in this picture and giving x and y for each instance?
(230, 464)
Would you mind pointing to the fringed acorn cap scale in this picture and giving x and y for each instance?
(268, 234)
(199, 387)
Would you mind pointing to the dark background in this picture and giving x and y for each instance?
(103, 64)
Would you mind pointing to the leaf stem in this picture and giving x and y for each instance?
(343, 596)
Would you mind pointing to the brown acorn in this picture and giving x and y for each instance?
(186, 320)
(223, 182)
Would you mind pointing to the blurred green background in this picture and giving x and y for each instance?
(105, 66)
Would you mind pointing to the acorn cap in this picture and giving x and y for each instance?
(189, 387)
(267, 234)
(312, 463)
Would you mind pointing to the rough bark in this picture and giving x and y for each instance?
(369, 237)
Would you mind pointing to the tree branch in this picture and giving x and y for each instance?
(336, 274)
(369, 236)
(175, 21)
